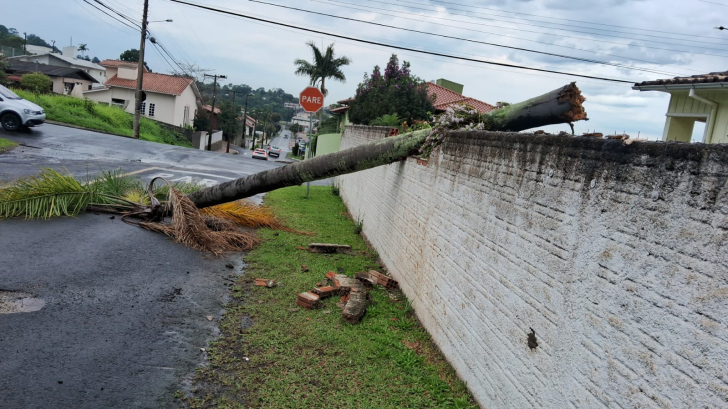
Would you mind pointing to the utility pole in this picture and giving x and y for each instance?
(255, 125)
(25, 44)
(140, 74)
(54, 46)
(212, 111)
(245, 117)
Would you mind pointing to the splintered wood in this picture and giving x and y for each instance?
(353, 292)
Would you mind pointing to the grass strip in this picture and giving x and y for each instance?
(91, 115)
(6, 145)
(295, 358)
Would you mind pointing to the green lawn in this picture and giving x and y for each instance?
(6, 145)
(289, 155)
(296, 358)
(91, 115)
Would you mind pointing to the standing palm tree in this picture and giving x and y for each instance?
(83, 48)
(324, 65)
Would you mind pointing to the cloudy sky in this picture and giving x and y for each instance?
(655, 38)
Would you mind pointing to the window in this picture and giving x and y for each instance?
(151, 109)
(143, 108)
(118, 102)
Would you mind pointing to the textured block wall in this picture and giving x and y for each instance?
(614, 255)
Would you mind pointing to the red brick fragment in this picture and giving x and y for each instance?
(330, 275)
(324, 292)
(264, 282)
(308, 300)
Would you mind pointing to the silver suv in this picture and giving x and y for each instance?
(16, 112)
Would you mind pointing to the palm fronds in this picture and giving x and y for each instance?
(190, 228)
(247, 214)
(43, 196)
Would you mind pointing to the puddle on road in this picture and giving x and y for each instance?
(12, 302)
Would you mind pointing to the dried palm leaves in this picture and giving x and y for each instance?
(191, 228)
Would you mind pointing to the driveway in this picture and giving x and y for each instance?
(118, 317)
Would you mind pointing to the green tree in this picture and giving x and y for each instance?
(3, 75)
(82, 48)
(95, 60)
(229, 120)
(35, 40)
(397, 92)
(37, 82)
(132, 55)
(325, 65)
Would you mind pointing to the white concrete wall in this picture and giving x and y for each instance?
(188, 99)
(615, 255)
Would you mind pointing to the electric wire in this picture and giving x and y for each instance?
(96, 16)
(115, 18)
(578, 21)
(471, 40)
(552, 28)
(120, 14)
(205, 7)
(375, 9)
(527, 39)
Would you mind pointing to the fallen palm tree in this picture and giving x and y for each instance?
(208, 219)
(563, 105)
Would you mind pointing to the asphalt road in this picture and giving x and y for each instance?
(125, 311)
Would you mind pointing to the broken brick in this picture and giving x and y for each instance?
(383, 280)
(330, 275)
(304, 268)
(264, 282)
(308, 300)
(325, 292)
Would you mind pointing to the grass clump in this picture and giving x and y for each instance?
(6, 145)
(296, 358)
(109, 119)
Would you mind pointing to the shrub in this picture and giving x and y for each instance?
(37, 82)
(387, 120)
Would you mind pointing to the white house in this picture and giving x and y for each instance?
(69, 60)
(699, 98)
(169, 99)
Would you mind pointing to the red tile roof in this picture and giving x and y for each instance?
(339, 109)
(445, 97)
(153, 82)
(115, 63)
(208, 108)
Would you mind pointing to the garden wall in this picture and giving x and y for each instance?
(616, 256)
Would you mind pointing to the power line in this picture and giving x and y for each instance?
(120, 21)
(163, 57)
(118, 13)
(367, 8)
(566, 19)
(517, 38)
(470, 40)
(556, 24)
(99, 18)
(579, 21)
(394, 46)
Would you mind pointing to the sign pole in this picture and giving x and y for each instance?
(308, 148)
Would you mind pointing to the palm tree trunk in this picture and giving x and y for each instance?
(559, 106)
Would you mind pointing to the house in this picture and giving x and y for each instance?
(169, 99)
(699, 98)
(66, 80)
(68, 59)
(445, 93)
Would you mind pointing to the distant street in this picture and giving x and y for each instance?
(87, 153)
(125, 315)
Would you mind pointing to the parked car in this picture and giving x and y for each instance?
(16, 112)
(260, 154)
(274, 151)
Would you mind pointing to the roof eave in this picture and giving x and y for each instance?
(669, 87)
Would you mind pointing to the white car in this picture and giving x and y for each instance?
(274, 151)
(16, 112)
(260, 154)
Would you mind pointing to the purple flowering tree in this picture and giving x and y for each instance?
(396, 92)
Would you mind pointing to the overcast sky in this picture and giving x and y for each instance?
(675, 38)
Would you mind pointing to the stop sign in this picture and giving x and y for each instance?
(311, 99)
